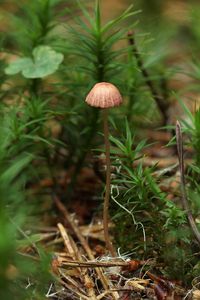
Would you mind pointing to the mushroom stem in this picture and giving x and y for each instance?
(108, 181)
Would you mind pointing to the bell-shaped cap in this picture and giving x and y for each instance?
(104, 95)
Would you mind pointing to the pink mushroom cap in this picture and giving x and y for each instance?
(104, 95)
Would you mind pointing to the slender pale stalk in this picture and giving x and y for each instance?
(104, 95)
(108, 181)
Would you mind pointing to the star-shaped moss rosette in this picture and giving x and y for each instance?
(44, 61)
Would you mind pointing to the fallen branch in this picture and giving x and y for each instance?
(133, 264)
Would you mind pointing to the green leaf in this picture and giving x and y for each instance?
(45, 61)
(98, 16)
(118, 144)
(18, 65)
(125, 15)
(15, 168)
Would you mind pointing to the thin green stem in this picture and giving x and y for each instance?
(108, 182)
(162, 104)
(35, 86)
(186, 207)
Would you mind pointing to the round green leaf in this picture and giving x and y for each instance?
(45, 61)
(18, 65)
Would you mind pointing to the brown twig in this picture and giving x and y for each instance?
(104, 280)
(185, 203)
(66, 239)
(160, 101)
(97, 264)
(70, 287)
(73, 283)
(74, 251)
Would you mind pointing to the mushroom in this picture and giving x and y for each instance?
(105, 95)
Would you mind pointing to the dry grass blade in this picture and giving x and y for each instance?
(73, 250)
(103, 278)
(196, 295)
(66, 239)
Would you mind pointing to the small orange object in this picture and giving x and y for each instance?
(55, 265)
(134, 265)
